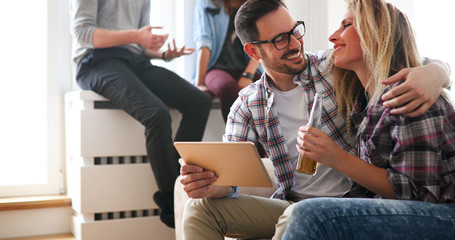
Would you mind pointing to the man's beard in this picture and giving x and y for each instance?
(283, 67)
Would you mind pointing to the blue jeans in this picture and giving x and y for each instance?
(351, 218)
(145, 91)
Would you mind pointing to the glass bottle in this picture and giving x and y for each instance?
(304, 164)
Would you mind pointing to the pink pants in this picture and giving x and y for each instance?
(224, 84)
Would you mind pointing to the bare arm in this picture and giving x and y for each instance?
(203, 56)
(250, 68)
(153, 54)
(103, 38)
(371, 177)
(323, 150)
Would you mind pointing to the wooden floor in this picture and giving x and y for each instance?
(65, 236)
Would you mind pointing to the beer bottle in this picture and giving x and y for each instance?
(304, 164)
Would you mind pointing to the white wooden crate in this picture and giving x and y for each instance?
(141, 228)
(97, 187)
(110, 188)
(94, 133)
(100, 132)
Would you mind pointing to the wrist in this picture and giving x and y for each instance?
(248, 75)
(200, 83)
(163, 56)
(219, 191)
(134, 34)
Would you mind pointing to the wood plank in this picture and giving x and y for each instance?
(111, 188)
(81, 95)
(63, 236)
(110, 133)
(33, 202)
(141, 228)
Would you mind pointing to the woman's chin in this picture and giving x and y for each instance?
(341, 64)
(338, 62)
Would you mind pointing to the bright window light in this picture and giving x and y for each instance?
(432, 21)
(23, 101)
(166, 15)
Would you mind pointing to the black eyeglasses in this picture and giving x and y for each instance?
(281, 41)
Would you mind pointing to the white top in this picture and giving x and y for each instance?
(292, 112)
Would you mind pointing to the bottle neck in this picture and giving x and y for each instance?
(316, 112)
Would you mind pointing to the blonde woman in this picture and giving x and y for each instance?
(407, 164)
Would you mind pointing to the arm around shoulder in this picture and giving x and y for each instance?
(421, 88)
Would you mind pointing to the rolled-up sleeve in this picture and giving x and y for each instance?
(234, 194)
(83, 21)
(202, 30)
(145, 15)
(239, 125)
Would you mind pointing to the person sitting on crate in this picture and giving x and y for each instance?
(113, 45)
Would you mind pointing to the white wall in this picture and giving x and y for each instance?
(321, 18)
(186, 21)
(51, 220)
(314, 13)
(179, 25)
(336, 11)
(21, 223)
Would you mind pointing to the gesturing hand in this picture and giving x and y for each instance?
(147, 39)
(174, 52)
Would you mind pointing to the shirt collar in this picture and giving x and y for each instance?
(266, 80)
(304, 77)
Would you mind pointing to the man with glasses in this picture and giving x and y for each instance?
(270, 111)
(282, 40)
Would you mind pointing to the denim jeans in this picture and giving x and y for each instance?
(144, 91)
(351, 218)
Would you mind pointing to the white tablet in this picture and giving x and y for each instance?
(234, 163)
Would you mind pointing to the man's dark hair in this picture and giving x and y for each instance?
(249, 13)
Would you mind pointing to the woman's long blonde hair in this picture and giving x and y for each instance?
(388, 45)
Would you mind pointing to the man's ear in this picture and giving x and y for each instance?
(252, 50)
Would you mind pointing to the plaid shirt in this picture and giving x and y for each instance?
(418, 153)
(253, 117)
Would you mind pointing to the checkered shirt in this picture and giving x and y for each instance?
(418, 153)
(254, 118)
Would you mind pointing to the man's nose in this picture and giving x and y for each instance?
(294, 43)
